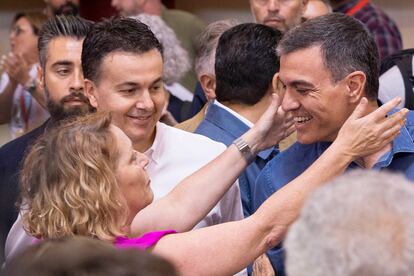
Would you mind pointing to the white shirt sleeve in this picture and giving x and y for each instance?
(176, 154)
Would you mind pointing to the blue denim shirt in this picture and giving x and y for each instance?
(290, 163)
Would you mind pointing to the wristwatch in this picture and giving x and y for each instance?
(245, 150)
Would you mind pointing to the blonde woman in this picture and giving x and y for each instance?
(85, 179)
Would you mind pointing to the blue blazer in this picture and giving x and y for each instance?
(11, 160)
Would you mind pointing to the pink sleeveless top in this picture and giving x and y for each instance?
(145, 241)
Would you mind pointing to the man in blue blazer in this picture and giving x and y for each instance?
(245, 65)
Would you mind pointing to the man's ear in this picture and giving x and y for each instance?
(355, 83)
(40, 77)
(91, 92)
(277, 86)
(208, 83)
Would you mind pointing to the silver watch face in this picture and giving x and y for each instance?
(244, 148)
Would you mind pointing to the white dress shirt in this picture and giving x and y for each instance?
(174, 155)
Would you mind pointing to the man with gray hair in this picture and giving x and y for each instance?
(367, 232)
(327, 66)
(204, 66)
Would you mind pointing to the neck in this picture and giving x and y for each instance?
(250, 112)
(369, 161)
(142, 145)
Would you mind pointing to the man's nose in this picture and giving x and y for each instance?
(77, 80)
(145, 101)
(290, 102)
(273, 5)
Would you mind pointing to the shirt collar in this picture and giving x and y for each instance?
(155, 151)
(235, 114)
(403, 143)
(264, 154)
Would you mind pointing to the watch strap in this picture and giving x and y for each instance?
(245, 150)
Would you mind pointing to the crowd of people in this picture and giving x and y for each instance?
(151, 144)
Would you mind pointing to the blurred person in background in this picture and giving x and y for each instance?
(86, 256)
(368, 231)
(317, 8)
(61, 7)
(18, 81)
(385, 31)
(204, 66)
(279, 14)
(176, 65)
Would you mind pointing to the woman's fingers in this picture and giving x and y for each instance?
(384, 109)
(361, 110)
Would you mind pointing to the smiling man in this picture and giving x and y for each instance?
(327, 65)
(279, 14)
(123, 66)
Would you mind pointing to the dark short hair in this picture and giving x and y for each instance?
(246, 62)
(346, 46)
(116, 34)
(61, 26)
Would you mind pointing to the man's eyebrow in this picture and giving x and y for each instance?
(62, 63)
(157, 80)
(128, 83)
(297, 83)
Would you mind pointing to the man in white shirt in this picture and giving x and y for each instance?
(122, 65)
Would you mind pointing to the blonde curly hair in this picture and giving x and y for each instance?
(68, 184)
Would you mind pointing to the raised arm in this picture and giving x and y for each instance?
(196, 195)
(17, 70)
(226, 248)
